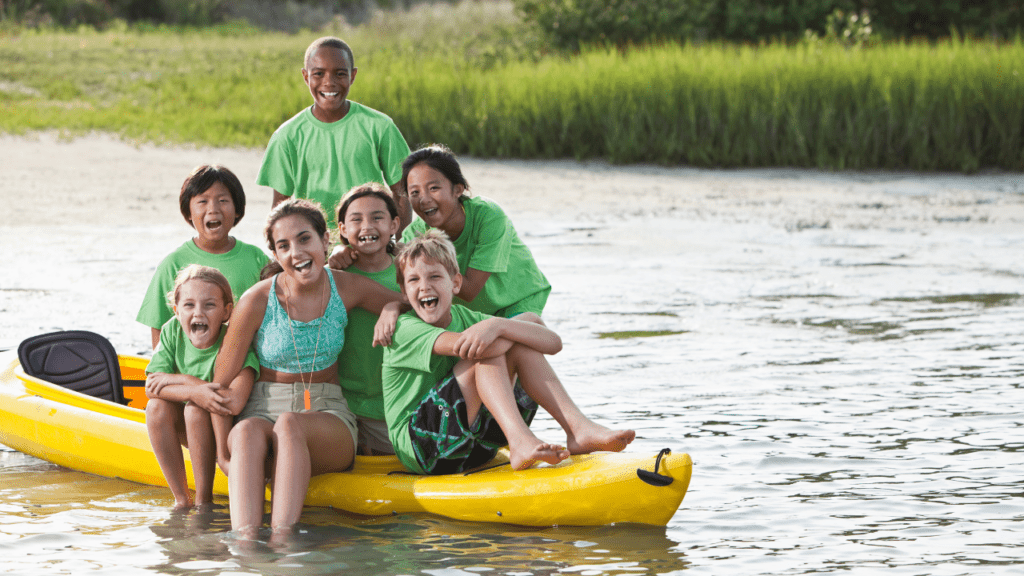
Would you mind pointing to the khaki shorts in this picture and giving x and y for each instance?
(373, 434)
(268, 400)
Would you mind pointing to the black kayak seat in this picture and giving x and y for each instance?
(75, 359)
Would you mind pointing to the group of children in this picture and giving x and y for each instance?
(284, 369)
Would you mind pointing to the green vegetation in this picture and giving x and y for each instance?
(491, 89)
(638, 334)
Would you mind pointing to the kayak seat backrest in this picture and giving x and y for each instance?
(75, 359)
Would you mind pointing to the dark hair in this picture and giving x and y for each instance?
(438, 157)
(200, 180)
(329, 42)
(375, 189)
(311, 211)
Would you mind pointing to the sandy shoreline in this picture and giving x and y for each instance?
(86, 220)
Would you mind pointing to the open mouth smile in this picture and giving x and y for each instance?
(303, 266)
(368, 238)
(429, 302)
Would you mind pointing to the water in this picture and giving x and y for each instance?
(845, 371)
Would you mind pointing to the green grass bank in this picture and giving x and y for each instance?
(957, 105)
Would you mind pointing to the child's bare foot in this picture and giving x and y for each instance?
(594, 437)
(524, 458)
(180, 505)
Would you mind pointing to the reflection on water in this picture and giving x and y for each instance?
(68, 521)
(329, 543)
(850, 394)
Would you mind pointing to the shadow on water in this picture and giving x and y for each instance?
(329, 542)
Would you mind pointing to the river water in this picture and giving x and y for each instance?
(844, 366)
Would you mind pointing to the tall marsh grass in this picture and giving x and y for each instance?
(954, 106)
(957, 105)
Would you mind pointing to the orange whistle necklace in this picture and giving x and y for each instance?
(306, 400)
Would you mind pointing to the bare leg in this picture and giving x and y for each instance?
(249, 442)
(306, 444)
(165, 423)
(221, 428)
(540, 382)
(202, 451)
(487, 382)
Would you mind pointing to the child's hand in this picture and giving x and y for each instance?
(342, 257)
(475, 342)
(385, 327)
(156, 381)
(207, 396)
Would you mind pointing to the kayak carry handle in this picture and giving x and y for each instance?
(653, 478)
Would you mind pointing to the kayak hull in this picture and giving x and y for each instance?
(99, 437)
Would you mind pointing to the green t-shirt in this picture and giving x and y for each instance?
(489, 243)
(241, 266)
(320, 161)
(176, 355)
(359, 362)
(411, 369)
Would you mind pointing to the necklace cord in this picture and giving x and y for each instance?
(305, 385)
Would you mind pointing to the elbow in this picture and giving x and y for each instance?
(234, 407)
(556, 345)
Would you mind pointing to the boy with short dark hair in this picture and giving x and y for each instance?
(448, 393)
(212, 201)
(326, 149)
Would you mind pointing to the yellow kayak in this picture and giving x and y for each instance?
(82, 432)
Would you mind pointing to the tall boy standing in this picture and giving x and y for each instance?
(326, 149)
(449, 398)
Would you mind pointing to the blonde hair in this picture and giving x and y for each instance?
(204, 273)
(433, 246)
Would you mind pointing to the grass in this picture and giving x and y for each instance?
(638, 334)
(470, 76)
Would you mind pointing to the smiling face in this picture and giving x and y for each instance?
(368, 225)
(430, 289)
(212, 214)
(436, 200)
(201, 310)
(299, 249)
(329, 75)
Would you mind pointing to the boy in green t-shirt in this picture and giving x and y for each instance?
(183, 405)
(448, 395)
(326, 149)
(212, 201)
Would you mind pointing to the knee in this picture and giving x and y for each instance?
(287, 423)
(158, 410)
(245, 434)
(196, 415)
(519, 351)
(288, 428)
